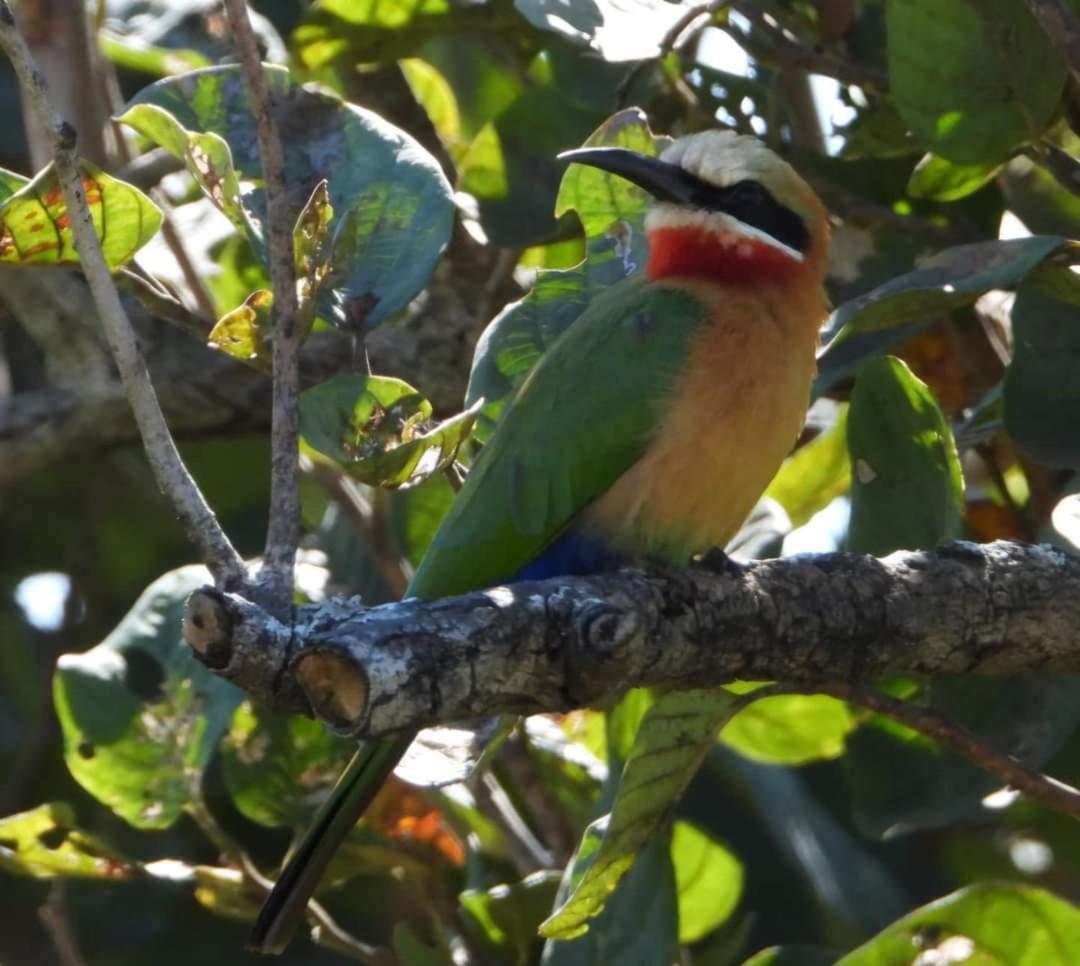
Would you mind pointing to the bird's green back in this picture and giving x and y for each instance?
(580, 419)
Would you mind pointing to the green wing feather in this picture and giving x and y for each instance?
(581, 418)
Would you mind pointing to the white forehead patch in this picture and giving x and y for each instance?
(724, 158)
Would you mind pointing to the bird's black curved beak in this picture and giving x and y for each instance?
(664, 181)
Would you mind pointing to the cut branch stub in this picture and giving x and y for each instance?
(336, 687)
(208, 628)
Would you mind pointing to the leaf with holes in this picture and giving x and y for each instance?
(392, 203)
(44, 843)
(1002, 922)
(140, 716)
(35, 227)
(377, 429)
(675, 734)
(244, 333)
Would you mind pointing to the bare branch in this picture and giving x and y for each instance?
(828, 623)
(283, 532)
(1042, 788)
(172, 476)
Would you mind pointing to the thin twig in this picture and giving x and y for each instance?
(163, 305)
(54, 917)
(785, 52)
(667, 44)
(283, 530)
(1042, 788)
(169, 471)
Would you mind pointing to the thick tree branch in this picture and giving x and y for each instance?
(283, 531)
(169, 471)
(994, 609)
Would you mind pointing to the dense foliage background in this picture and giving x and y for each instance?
(143, 795)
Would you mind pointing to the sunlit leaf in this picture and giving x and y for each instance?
(708, 878)
(35, 227)
(815, 474)
(988, 923)
(245, 331)
(377, 429)
(939, 179)
(789, 729)
(44, 843)
(671, 743)
(140, 716)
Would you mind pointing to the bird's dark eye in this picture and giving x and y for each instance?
(747, 194)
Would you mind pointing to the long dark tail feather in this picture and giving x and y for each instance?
(285, 906)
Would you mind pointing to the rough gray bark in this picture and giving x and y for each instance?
(993, 609)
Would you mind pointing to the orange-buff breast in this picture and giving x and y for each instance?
(736, 409)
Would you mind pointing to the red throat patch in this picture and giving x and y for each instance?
(694, 252)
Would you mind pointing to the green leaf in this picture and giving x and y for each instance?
(613, 214)
(639, 923)
(375, 427)
(391, 200)
(789, 729)
(671, 743)
(814, 475)
(938, 179)
(133, 53)
(1042, 395)
(989, 923)
(907, 490)
(974, 80)
(278, 768)
(244, 333)
(140, 716)
(890, 314)
(506, 916)
(35, 226)
(415, 515)
(312, 251)
(44, 843)
(708, 879)
(10, 182)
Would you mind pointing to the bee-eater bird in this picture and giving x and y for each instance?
(649, 428)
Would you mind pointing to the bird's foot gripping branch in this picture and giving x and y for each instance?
(816, 622)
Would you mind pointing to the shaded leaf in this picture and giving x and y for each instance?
(376, 428)
(506, 916)
(278, 768)
(44, 843)
(1042, 395)
(392, 202)
(708, 879)
(671, 743)
(974, 80)
(35, 226)
(789, 729)
(890, 314)
(140, 716)
(987, 923)
(907, 489)
(794, 956)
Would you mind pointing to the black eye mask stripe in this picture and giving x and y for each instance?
(748, 201)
